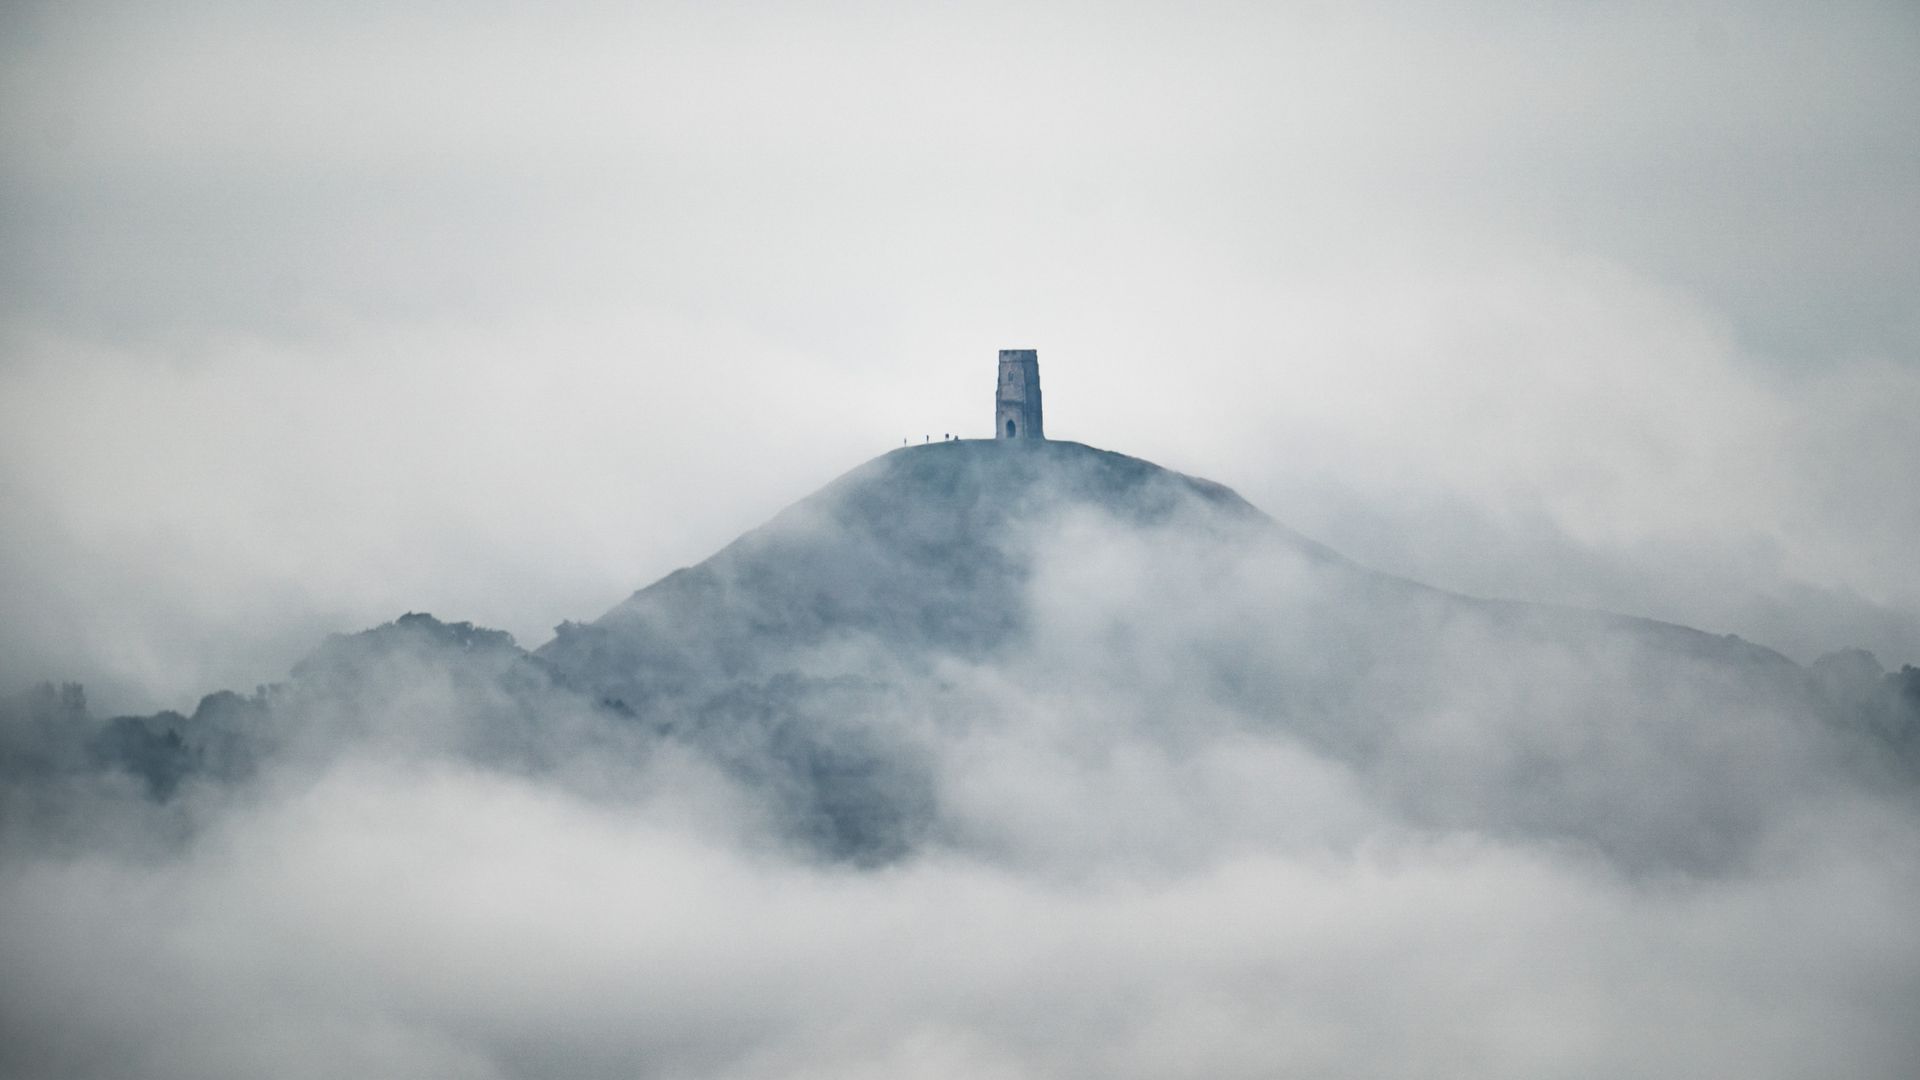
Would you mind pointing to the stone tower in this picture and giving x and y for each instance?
(1016, 403)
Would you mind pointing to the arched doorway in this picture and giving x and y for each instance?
(1009, 429)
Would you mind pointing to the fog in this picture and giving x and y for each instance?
(450, 924)
(313, 317)
(986, 760)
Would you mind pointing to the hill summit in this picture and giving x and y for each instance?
(926, 549)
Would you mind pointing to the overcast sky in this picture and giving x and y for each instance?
(311, 315)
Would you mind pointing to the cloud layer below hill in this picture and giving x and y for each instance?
(432, 921)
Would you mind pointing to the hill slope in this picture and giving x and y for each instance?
(970, 586)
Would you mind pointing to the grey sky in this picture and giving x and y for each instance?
(312, 315)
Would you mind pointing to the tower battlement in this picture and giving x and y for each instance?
(1016, 400)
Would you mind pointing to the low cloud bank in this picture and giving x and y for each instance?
(447, 922)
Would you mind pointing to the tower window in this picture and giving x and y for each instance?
(1009, 429)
